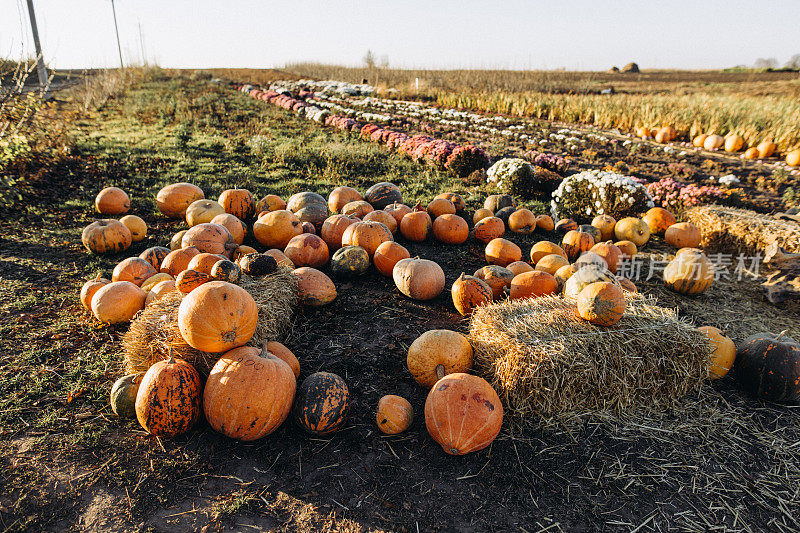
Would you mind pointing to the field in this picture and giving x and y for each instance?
(722, 461)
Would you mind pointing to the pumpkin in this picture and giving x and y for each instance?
(768, 366)
(626, 285)
(154, 280)
(304, 199)
(734, 143)
(112, 201)
(591, 230)
(248, 394)
(276, 228)
(202, 212)
(257, 265)
(463, 413)
(394, 414)
(123, 395)
(210, 238)
(689, 273)
(643, 132)
(133, 269)
(398, 211)
(683, 235)
(168, 401)
(723, 354)
(279, 258)
(751, 153)
(766, 149)
(563, 274)
(518, 267)
(174, 199)
(543, 248)
(350, 261)
(450, 229)
(480, 214)
(284, 354)
(604, 223)
(533, 284)
(793, 158)
(333, 228)
(322, 403)
(669, 133)
(551, 263)
(307, 250)
(106, 236)
(627, 248)
(505, 213)
(175, 241)
(441, 206)
(217, 316)
(601, 303)
(341, 196)
(522, 221)
(234, 225)
(188, 280)
(488, 229)
(662, 136)
(610, 253)
(226, 271)
(384, 218)
(632, 229)
(271, 202)
(238, 202)
(437, 353)
(117, 302)
(313, 287)
(658, 220)
(89, 289)
(713, 142)
(469, 292)
(314, 214)
(416, 226)
(420, 279)
(387, 255)
(457, 199)
(382, 194)
(159, 289)
(502, 252)
(575, 243)
(496, 202)
(566, 224)
(357, 208)
(545, 223)
(136, 226)
(243, 250)
(155, 255)
(497, 277)
(204, 262)
(590, 258)
(585, 276)
(700, 140)
(368, 235)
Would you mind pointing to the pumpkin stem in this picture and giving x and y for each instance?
(781, 334)
(170, 359)
(439, 371)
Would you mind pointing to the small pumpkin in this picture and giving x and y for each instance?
(439, 207)
(713, 142)
(314, 287)
(724, 353)
(174, 199)
(566, 224)
(112, 201)
(463, 413)
(436, 353)
(382, 194)
(243, 250)
(384, 218)
(188, 280)
(543, 248)
(450, 229)
(601, 303)
(522, 221)
(350, 261)
(575, 243)
(257, 265)
(276, 228)
(123, 395)
(312, 217)
(178, 260)
(591, 230)
(217, 316)
(238, 202)
(133, 269)
(204, 262)
(357, 208)
(168, 400)
(154, 280)
(416, 226)
(226, 271)
(627, 248)
(387, 255)
(689, 273)
(202, 212)
(604, 223)
(394, 415)
(533, 284)
(766, 149)
(106, 236)
(398, 211)
(469, 292)
(488, 229)
(322, 403)
(585, 276)
(683, 235)
(518, 267)
(284, 354)
(632, 229)
(136, 226)
(497, 277)
(117, 302)
(333, 228)
(270, 202)
(341, 196)
(419, 279)
(233, 224)
(367, 235)
(155, 256)
(502, 252)
(307, 250)
(768, 366)
(175, 241)
(734, 143)
(551, 263)
(610, 253)
(480, 214)
(793, 158)
(457, 199)
(90, 288)
(659, 220)
(496, 202)
(210, 238)
(563, 274)
(751, 153)
(700, 140)
(545, 223)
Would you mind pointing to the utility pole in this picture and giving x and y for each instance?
(141, 44)
(119, 46)
(42, 71)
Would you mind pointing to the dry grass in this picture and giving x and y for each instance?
(739, 230)
(544, 360)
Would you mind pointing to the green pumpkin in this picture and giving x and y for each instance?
(225, 270)
(593, 231)
(349, 261)
(123, 395)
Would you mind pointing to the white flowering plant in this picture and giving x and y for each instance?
(519, 178)
(587, 194)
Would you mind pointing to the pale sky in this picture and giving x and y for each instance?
(551, 34)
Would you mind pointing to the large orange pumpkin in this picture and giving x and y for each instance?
(658, 220)
(416, 226)
(469, 292)
(387, 255)
(106, 236)
(450, 229)
(398, 211)
(90, 288)
(480, 214)
(533, 284)
(341, 196)
(168, 400)
(384, 218)
(488, 228)
(217, 316)
(333, 229)
(357, 208)
(233, 224)
(543, 248)
(632, 229)
(133, 269)
(394, 414)
(117, 302)
(178, 260)
(322, 403)
(313, 287)
(248, 394)
(690, 272)
(605, 223)
(210, 238)
(112, 201)
(155, 255)
(174, 199)
(441, 206)
(420, 279)
(545, 223)
(307, 250)
(575, 243)
(683, 235)
(271, 202)
(276, 228)
(203, 211)
(463, 413)
(502, 252)
(436, 353)
(497, 277)
(610, 253)
(601, 303)
(724, 354)
(238, 202)
(368, 235)
(522, 221)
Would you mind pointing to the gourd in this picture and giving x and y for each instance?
(436, 353)
(123, 395)
(133, 269)
(420, 279)
(497, 277)
(605, 223)
(168, 400)
(387, 256)
(724, 354)
(202, 212)
(394, 415)
(367, 235)
(382, 194)
(341, 196)
(210, 238)
(632, 229)
(522, 221)
(543, 248)
(575, 243)
(276, 228)
(768, 366)
(658, 220)
(469, 292)
(322, 403)
(450, 229)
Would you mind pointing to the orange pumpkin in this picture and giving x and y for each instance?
(358, 208)
(627, 285)
(210, 238)
(168, 400)
(734, 143)
(713, 142)
(533, 284)
(700, 140)
(457, 199)
(394, 414)
(543, 248)
(441, 206)
(387, 255)
(174, 199)
(280, 258)
(545, 223)
(217, 316)
(367, 235)
(627, 248)
(204, 262)
(420, 279)
(564, 273)
(793, 158)
(117, 302)
(322, 403)
(202, 212)
(238, 202)
(270, 202)
(133, 269)
(502, 252)
(488, 229)
(632, 229)
(469, 292)
(112, 201)
(153, 280)
(496, 277)
(480, 214)
(766, 149)
(723, 354)
(234, 225)
(751, 153)
(398, 211)
(436, 353)
(307, 250)
(610, 253)
(575, 243)
(584, 277)
(605, 223)
(463, 413)
(90, 288)
(522, 221)
(276, 228)
(159, 290)
(683, 235)
(601, 303)
(243, 250)
(136, 226)
(106, 236)
(341, 196)
(248, 394)
(333, 228)
(284, 354)
(155, 256)
(450, 229)
(689, 273)
(175, 241)
(551, 263)
(566, 224)
(416, 226)
(658, 220)
(384, 218)
(518, 267)
(313, 287)
(188, 280)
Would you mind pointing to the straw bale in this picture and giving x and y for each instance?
(742, 231)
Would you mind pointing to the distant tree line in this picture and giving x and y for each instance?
(772, 63)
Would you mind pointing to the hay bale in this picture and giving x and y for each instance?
(154, 331)
(742, 231)
(543, 359)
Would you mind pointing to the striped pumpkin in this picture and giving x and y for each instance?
(689, 273)
(322, 403)
(168, 401)
(382, 194)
